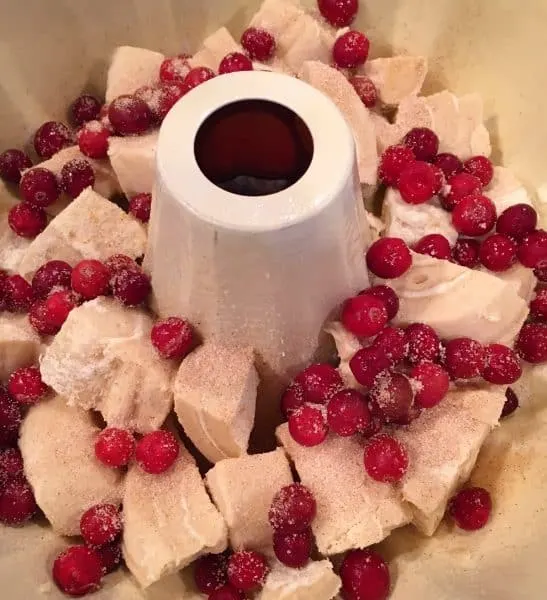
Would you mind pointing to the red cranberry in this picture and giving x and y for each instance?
(197, 76)
(130, 286)
(93, 139)
(234, 62)
(258, 43)
(541, 274)
(17, 503)
(511, 403)
(517, 221)
(502, 365)
(18, 293)
(385, 459)
(389, 258)
(471, 508)
(532, 251)
(211, 572)
(433, 383)
(226, 592)
(480, 167)
(39, 319)
(172, 337)
(120, 262)
(365, 576)
(448, 163)
(111, 557)
(58, 306)
(90, 279)
(174, 69)
(26, 386)
(460, 185)
(393, 162)
(423, 142)
(10, 418)
(435, 245)
(52, 275)
(293, 509)
(351, 50)
(368, 363)
(293, 398)
(474, 215)
(101, 524)
(366, 90)
(129, 115)
(168, 95)
(319, 382)
(417, 183)
(293, 549)
(307, 425)
(364, 315)
(85, 108)
(392, 342)
(247, 570)
(339, 13)
(52, 137)
(387, 295)
(11, 465)
(26, 220)
(464, 358)
(139, 207)
(76, 176)
(423, 343)
(78, 571)
(157, 451)
(393, 395)
(114, 447)
(538, 306)
(531, 343)
(466, 252)
(12, 163)
(498, 252)
(39, 187)
(348, 413)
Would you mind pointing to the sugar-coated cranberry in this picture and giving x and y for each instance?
(417, 182)
(26, 386)
(471, 508)
(351, 49)
(293, 549)
(51, 137)
(366, 90)
(226, 592)
(538, 305)
(293, 397)
(464, 358)
(85, 108)
(517, 221)
(502, 365)
(423, 142)
(348, 413)
(90, 278)
(26, 220)
(247, 570)
(39, 319)
(365, 576)
(139, 207)
(449, 164)
(114, 447)
(423, 343)
(319, 382)
(368, 363)
(387, 295)
(531, 343)
(110, 556)
(466, 252)
(129, 115)
(480, 167)
(18, 293)
(93, 139)
(541, 274)
(474, 215)
(39, 186)
(392, 342)
(12, 163)
(197, 76)
(385, 459)
(532, 250)
(307, 425)
(293, 509)
(511, 403)
(51, 276)
(101, 524)
(17, 503)
(258, 43)
(172, 337)
(435, 245)
(364, 315)
(211, 572)
(174, 69)
(339, 13)
(130, 286)
(76, 176)
(498, 252)
(389, 258)
(157, 451)
(11, 465)
(78, 571)
(393, 395)
(432, 383)
(234, 62)
(120, 262)
(460, 186)
(10, 418)
(58, 306)
(392, 162)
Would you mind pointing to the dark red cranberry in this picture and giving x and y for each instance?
(502, 365)
(129, 115)
(538, 306)
(234, 62)
(39, 187)
(76, 176)
(26, 220)
(498, 252)
(365, 576)
(448, 163)
(139, 207)
(130, 286)
(471, 508)
(293, 549)
(511, 403)
(532, 251)
(197, 76)
(531, 343)
(51, 276)
(174, 69)
(85, 108)
(18, 293)
(466, 252)
(211, 572)
(51, 137)
(517, 221)
(12, 163)
(393, 395)
(258, 43)
(464, 358)
(423, 142)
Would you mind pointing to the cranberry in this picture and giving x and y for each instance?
(339, 13)
(348, 413)
(17, 503)
(393, 395)
(12, 163)
(120, 262)
(293, 509)
(247, 570)
(531, 343)
(168, 95)
(480, 167)
(364, 315)
(389, 258)
(211, 572)
(172, 337)
(460, 185)
(90, 279)
(474, 215)
(435, 245)
(129, 115)
(417, 183)
(10, 418)
(393, 162)
(130, 286)
(366, 90)
(26, 386)
(423, 142)
(448, 163)
(93, 139)
(234, 62)
(464, 358)
(11, 465)
(350, 50)
(18, 293)
(307, 425)
(111, 557)
(532, 251)
(511, 403)
(385, 459)
(52, 137)
(541, 274)
(471, 508)
(101, 524)
(226, 592)
(538, 306)
(517, 221)
(502, 365)
(78, 571)
(466, 252)
(423, 343)
(52, 275)
(157, 451)
(319, 382)
(433, 382)
(498, 252)
(258, 43)
(293, 398)
(39, 187)
(368, 363)
(139, 207)
(365, 576)
(85, 108)
(387, 295)
(392, 342)
(39, 319)
(197, 76)
(174, 69)
(293, 549)
(58, 306)
(76, 176)
(114, 447)
(26, 220)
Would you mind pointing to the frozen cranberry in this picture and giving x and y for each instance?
(498, 252)
(157, 451)
(392, 342)
(172, 337)
(111, 557)
(90, 279)
(423, 343)
(129, 115)
(78, 571)
(247, 570)
(211, 572)
(293, 549)
(11, 465)
(364, 315)
(531, 343)
(12, 163)
(130, 286)
(385, 459)
(114, 447)
(365, 576)
(307, 425)
(52, 275)
(474, 215)
(234, 62)
(432, 384)
(319, 382)
(366, 90)
(139, 207)
(464, 358)
(393, 395)
(480, 167)
(423, 142)
(58, 306)
(101, 524)
(393, 162)
(18, 293)
(17, 503)
(166, 97)
(197, 76)
(348, 413)
(226, 592)
(532, 251)
(293, 398)
(39, 187)
(52, 137)
(76, 176)
(174, 69)
(460, 186)
(120, 262)
(26, 220)
(435, 245)
(258, 43)
(93, 139)
(39, 319)
(471, 508)
(389, 258)
(466, 252)
(368, 363)
(10, 418)
(293, 509)
(85, 108)
(350, 50)
(502, 365)
(417, 183)
(511, 403)
(448, 163)
(26, 386)
(339, 13)
(517, 221)
(538, 306)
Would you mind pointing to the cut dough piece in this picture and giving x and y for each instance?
(334, 85)
(169, 520)
(520, 278)
(215, 399)
(12, 246)
(506, 190)
(90, 227)
(130, 69)
(353, 510)
(243, 489)
(56, 442)
(214, 49)
(315, 581)
(103, 359)
(347, 345)
(19, 343)
(445, 110)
